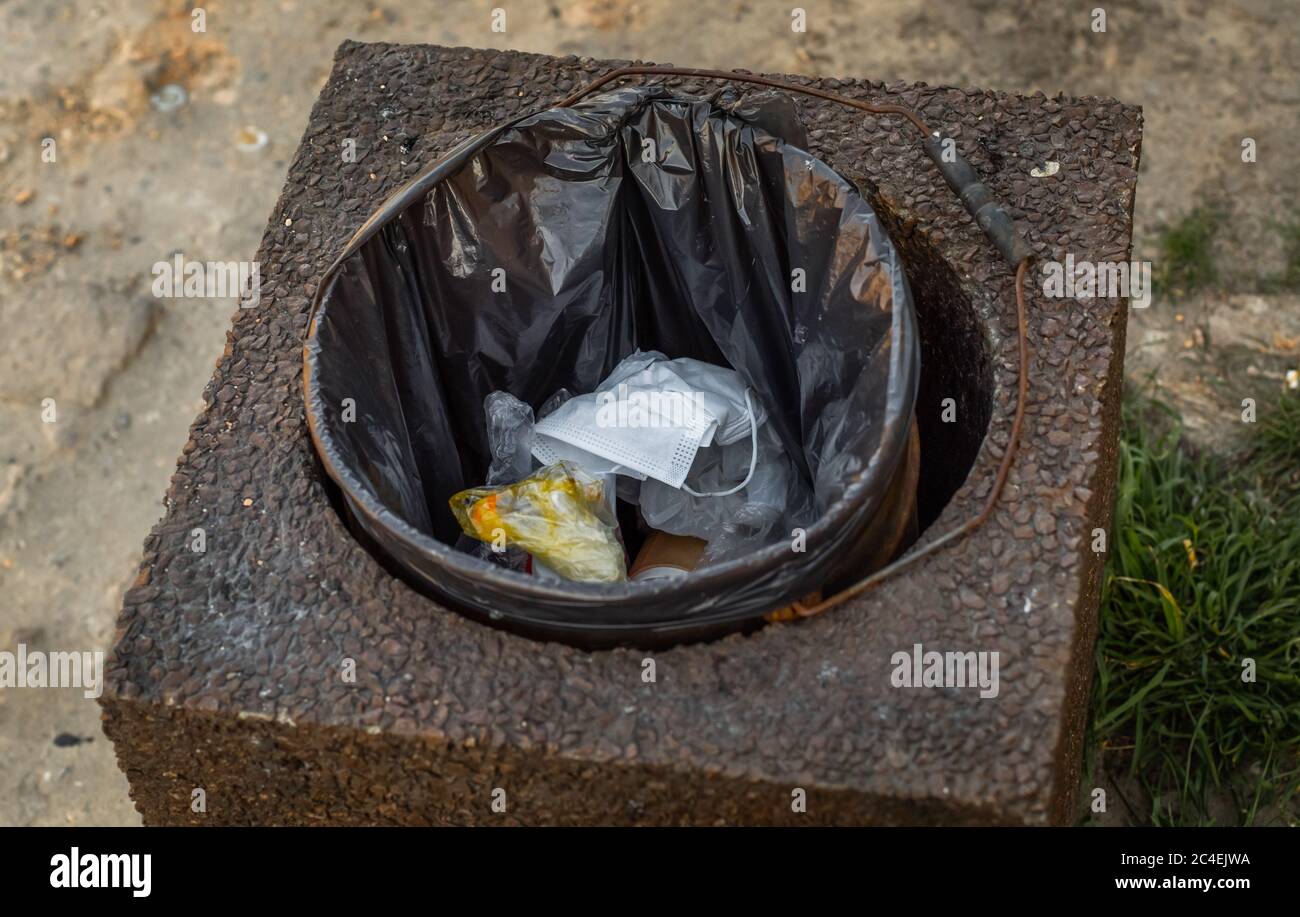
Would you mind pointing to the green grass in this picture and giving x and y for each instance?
(1275, 460)
(1203, 573)
(1289, 277)
(1186, 253)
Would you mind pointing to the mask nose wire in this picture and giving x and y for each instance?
(753, 456)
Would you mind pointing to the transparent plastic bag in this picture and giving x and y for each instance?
(510, 440)
(510, 437)
(775, 500)
(550, 405)
(559, 514)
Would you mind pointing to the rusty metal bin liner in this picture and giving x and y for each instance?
(539, 254)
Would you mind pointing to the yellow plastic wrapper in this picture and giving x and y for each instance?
(557, 514)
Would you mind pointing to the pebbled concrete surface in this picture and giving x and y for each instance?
(227, 673)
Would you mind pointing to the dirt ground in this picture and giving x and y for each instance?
(135, 180)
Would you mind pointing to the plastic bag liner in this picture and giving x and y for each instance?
(539, 254)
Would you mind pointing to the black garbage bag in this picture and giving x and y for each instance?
(538, 255)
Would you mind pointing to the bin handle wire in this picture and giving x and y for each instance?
(990, 217)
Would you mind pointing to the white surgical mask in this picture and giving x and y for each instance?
(650, 418)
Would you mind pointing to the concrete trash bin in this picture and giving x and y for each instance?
(230, 668)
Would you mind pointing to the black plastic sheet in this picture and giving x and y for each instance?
(539, 254)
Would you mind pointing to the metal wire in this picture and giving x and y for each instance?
(1004, 469)
(872, 107)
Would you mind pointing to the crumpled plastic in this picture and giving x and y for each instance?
(775, 501)
(558, 514)
(638, 423)
(510, 437)
(510, 441)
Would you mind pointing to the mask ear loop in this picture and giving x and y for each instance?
(753, 456)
